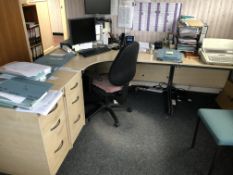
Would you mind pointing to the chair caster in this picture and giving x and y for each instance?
(116, 124)
(128, 109)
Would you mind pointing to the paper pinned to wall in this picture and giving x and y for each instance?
(156, 16)
(114, 7)
(125, 13)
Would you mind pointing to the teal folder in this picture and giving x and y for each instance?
(30, 89)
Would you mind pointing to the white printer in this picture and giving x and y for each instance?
(217, 51)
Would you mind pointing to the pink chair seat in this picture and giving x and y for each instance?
(103, 83)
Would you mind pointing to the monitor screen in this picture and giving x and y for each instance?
(82, 30)
(97, 7)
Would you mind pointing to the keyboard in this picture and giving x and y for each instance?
(93, 51)
(222, 59)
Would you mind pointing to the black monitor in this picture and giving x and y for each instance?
(82, 30)
(97, 7)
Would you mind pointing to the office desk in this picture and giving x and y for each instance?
(80, 63)
(33, 144)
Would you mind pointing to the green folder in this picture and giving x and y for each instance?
(30, 89)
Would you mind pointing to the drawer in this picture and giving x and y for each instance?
(73, 85)
(57, 147)
(76, 121)
(75, 96)
(47, 123)
(55, 128)
(74, 100)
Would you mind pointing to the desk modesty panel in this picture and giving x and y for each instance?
(192, 72)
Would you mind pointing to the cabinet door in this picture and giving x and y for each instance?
(13, 43)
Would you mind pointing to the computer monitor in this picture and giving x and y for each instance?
(100, 7)
(82, 30)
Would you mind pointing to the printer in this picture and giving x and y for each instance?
(217, 51)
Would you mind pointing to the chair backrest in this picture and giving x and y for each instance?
(123, 67)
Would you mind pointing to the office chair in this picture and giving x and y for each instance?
(113, 87)
(219, 123)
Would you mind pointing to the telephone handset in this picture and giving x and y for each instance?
(122, 40)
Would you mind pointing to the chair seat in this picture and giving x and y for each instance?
(103, 83)
(220, 124)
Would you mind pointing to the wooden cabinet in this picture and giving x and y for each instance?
(14, 45)
(33, 31)
(33, 144)
(36, 16)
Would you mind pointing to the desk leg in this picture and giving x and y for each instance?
(170, 110)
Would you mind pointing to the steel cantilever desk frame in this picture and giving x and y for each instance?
(81, 63)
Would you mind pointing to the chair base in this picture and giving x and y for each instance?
(109, 109)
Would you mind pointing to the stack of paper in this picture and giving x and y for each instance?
(46, 104)
(31, 70)
(188, 31)
(22, 92)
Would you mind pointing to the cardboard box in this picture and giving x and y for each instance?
(225, 98)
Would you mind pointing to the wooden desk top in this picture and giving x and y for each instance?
(81, 63)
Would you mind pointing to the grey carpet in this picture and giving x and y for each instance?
(147, 142)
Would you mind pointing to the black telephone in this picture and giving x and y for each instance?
(122, 40)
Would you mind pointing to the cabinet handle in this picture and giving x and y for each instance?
(76, 84)
(75, 101)
(59, 147)
(54, 108)
(78, 118)
(56, 125)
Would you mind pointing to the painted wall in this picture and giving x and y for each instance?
(218, 14)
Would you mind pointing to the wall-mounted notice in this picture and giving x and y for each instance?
(156, 16)
(125, 13)
(114, 7)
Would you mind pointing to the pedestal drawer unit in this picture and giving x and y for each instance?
(31, 143)
(75, 106)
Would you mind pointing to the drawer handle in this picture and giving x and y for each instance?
(59, 147)
(78, 118)
(56, 125)
(75, 101)
(76, 84)
(54, 108)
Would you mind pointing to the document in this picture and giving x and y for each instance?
(125, 14)
(32, 90)
(45, 105)
(26, 69)
(156, 16)
(13, 98)
(114, 7)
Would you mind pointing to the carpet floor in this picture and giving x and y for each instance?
(147, 142)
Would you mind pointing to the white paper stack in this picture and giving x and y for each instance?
(45, 105)
(27, 69)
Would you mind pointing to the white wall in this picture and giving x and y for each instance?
(218, 14)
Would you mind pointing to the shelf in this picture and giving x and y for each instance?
(35, 45)
(32, 27)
